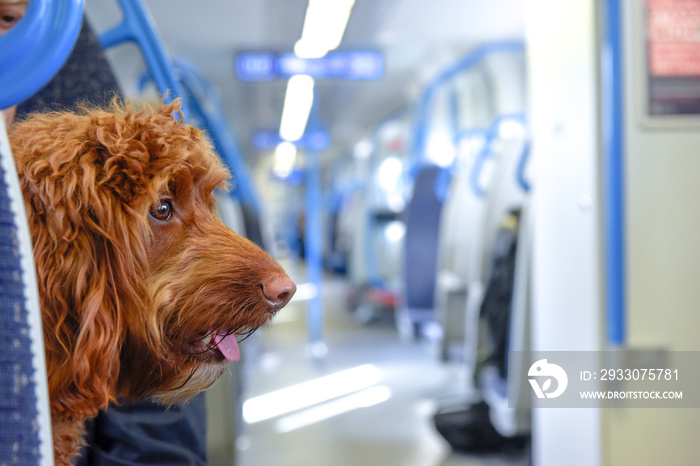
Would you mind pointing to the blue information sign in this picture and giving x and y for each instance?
(256, 66)
(266, 66)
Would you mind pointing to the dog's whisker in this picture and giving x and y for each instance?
(246, 334)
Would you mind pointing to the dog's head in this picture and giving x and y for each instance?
(144, 291)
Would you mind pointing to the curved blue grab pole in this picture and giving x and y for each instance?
(205, 103)
(37, 47)
(139, 27)
(467, 62)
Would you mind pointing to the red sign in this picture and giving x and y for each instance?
(673, 37)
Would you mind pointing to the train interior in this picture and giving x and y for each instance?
(463, 183)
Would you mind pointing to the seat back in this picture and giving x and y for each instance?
(86, 77)
(25, 424)
(421, 242)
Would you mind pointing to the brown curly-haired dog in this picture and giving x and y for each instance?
(143, 290)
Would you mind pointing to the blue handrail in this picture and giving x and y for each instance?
(37, 47)
(480, 162)
(613, 183)
(491, 134)
(139, 27)
(205, 105)
(522, 165)
(467, 62)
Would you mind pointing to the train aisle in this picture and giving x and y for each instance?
(384, 392)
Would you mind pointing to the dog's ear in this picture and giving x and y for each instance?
(89, 249)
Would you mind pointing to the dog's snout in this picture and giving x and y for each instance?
(278, 290)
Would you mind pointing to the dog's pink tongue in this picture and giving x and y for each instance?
(227, 344)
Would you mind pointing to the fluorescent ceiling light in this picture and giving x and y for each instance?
(309, 393)
(324, 27)
(285, 156)
(297, 105)
(363, 399)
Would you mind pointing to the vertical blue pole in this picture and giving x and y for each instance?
(313, 241)
(613, 172)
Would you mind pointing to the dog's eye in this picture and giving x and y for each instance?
(162, 211)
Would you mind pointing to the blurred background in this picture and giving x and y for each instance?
(451, 184)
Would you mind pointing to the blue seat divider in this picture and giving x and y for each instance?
(138, 26)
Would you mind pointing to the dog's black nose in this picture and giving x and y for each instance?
(278, 290)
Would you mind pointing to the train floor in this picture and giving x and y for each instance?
(384, 392)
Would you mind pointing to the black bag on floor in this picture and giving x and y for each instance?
(469, 430)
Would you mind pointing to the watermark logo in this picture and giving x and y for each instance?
(542, 370)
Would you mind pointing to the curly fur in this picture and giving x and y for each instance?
(129, 300)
